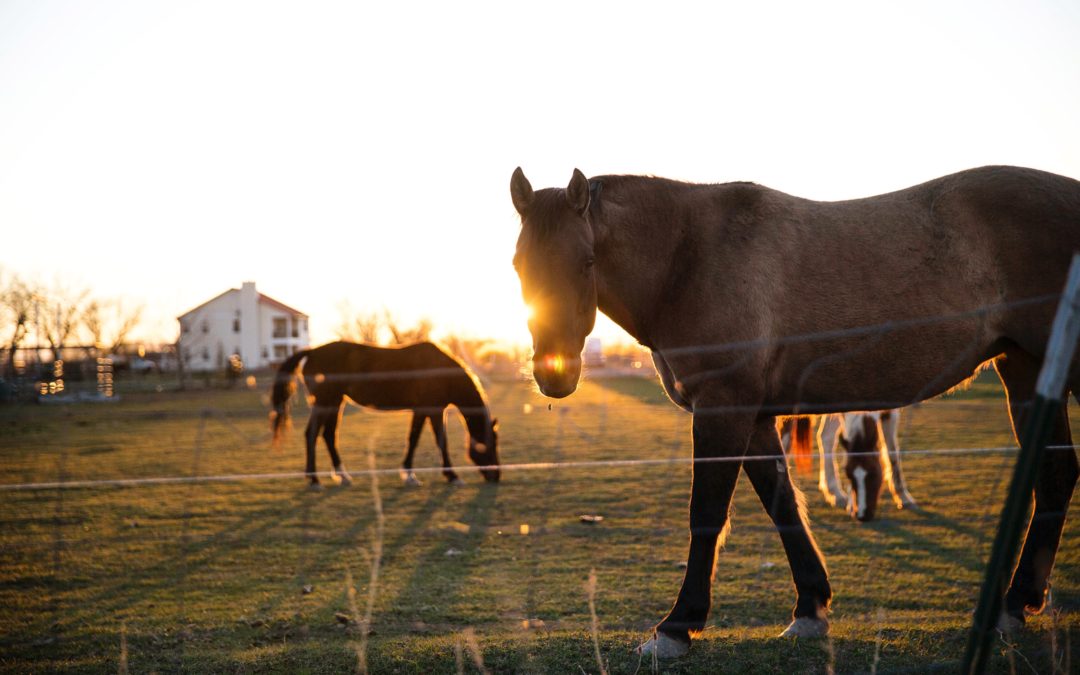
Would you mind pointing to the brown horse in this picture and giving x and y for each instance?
(756, 303)
(419, 377)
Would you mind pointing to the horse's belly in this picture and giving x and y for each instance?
(879, 377)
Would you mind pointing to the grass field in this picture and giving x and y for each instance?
(254, 575)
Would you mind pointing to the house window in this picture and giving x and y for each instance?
(205, 327)
(281, 327)
(295, 327)
(280, 351)
(265, 352)
(236, 325)
(184, 327)
(303, 325)
(205, 354)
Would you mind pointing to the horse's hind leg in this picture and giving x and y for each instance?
(330, 435)
(311, 437)
(787, 509)
(890, 428)
(438, 425)
(415, 427)
(1054, 483)
(828, 480)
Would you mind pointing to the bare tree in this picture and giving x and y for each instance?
(405, 336)
(60, 316)
(108, 324)
(16, 305)
(358, 327)
(379, 327)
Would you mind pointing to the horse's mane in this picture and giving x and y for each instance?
(468, 372)
(549, 205)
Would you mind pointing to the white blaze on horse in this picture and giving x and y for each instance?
(728, 286)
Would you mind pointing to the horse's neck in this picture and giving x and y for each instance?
(635, 254)
(476, 420)
(470, 402)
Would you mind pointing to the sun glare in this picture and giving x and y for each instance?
(555, 363)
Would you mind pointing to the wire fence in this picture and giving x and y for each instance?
(605, 474)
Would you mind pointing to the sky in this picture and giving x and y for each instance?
(358, 152)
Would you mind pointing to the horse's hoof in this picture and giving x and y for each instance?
(1007, 623)
(315, 487)
(409, 479)
(839, 501)
(806, 627)
(663, 646)
(456, 482)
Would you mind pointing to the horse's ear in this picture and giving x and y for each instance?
(577, 192)
(520, 191)
(495, 424)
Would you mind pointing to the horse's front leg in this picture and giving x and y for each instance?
(786, 507)
(890, 427)
(720, 441)
(828, 480)
(415, 427)
(438, 425)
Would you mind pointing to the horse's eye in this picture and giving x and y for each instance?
(589, 262)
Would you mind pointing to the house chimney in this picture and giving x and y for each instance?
(250, 329)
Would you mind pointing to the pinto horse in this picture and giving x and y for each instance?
(418, 377)
(756, 303)
(871, 461)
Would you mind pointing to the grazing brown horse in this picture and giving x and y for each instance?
(756, 303)
(419, 377)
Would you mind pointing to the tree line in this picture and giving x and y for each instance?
(58, 316)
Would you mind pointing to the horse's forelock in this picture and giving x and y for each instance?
(547, 213)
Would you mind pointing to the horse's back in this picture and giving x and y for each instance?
(987, 236)
(969, 263)
(391, 378)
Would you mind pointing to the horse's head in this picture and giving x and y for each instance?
(863, 466)
(483, 447)
(554, 261)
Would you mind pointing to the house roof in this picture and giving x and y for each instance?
(262, 298)
(267, 300)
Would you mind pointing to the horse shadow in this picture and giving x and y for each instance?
(439, 575)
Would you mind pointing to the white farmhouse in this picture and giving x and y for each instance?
(261, 330)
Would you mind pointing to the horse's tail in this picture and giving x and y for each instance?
(284, 388)
(800, 444)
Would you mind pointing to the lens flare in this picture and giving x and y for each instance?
(554, 363)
